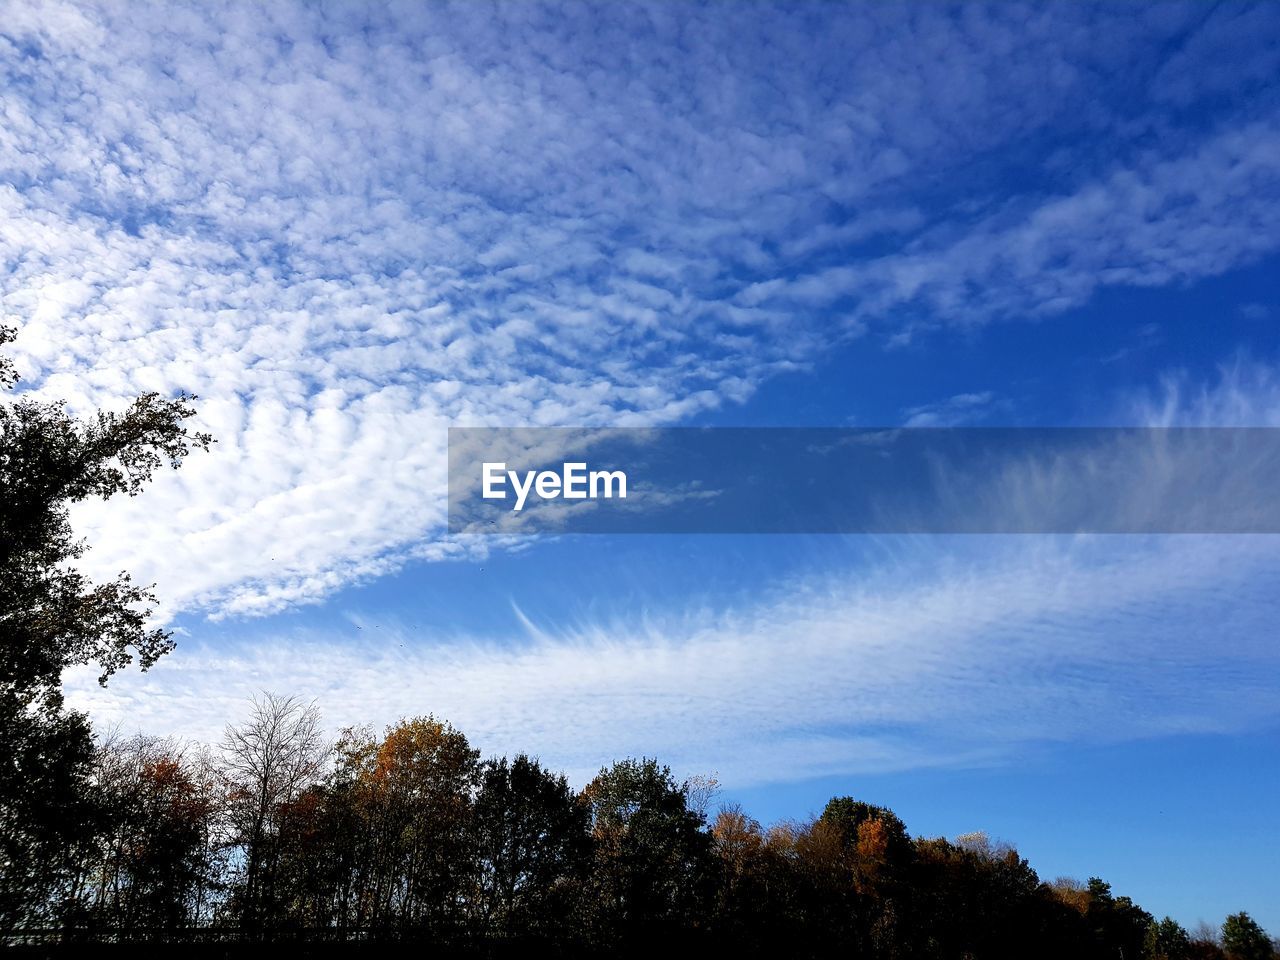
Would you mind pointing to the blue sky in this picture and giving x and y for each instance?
(347, 228)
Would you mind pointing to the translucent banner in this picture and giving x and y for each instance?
(835, 480)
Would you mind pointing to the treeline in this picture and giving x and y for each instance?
(409, 836)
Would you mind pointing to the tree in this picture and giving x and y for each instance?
(1119, 925)
(268, 761)
(1167, 940)
(876, 834)
(757, 910)
(973, 898)
(153, 864)
(411, 798)
(53, 617)
(652, 855)
(1243, 939)
(1205, 942)
(317, 840)
(532, 848)
(47, 810)
(879, 854)
(700, 792)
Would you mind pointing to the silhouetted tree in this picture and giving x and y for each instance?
(268, 761)
(1167, 940)
(53, 617)
(411, 797)
(975, 898)
(652, 861)
(532, 849)
(879, 855)
(760, 898)
(48, 812)
(1118, 924)
(154, 864)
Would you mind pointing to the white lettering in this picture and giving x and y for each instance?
(548, 485)
(575, 481)
(521, 491)
(609, 476)
(493, 474)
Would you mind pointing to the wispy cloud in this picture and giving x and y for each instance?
(1166, 220)
(949, 655)
(956, 410)
(1243, 393)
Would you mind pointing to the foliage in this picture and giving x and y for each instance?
(1117, 922)
(1167, 940)
(652, 856)
(406, 836)
(532, 849)
(53, 617)
(1243, 939)
(154, 862)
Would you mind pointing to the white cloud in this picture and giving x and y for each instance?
(1168, 220)
(1244, 393)
(958, 652)
(921, 651)
(956, 410)
(347, 228)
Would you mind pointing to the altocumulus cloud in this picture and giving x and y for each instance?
(347, 228)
